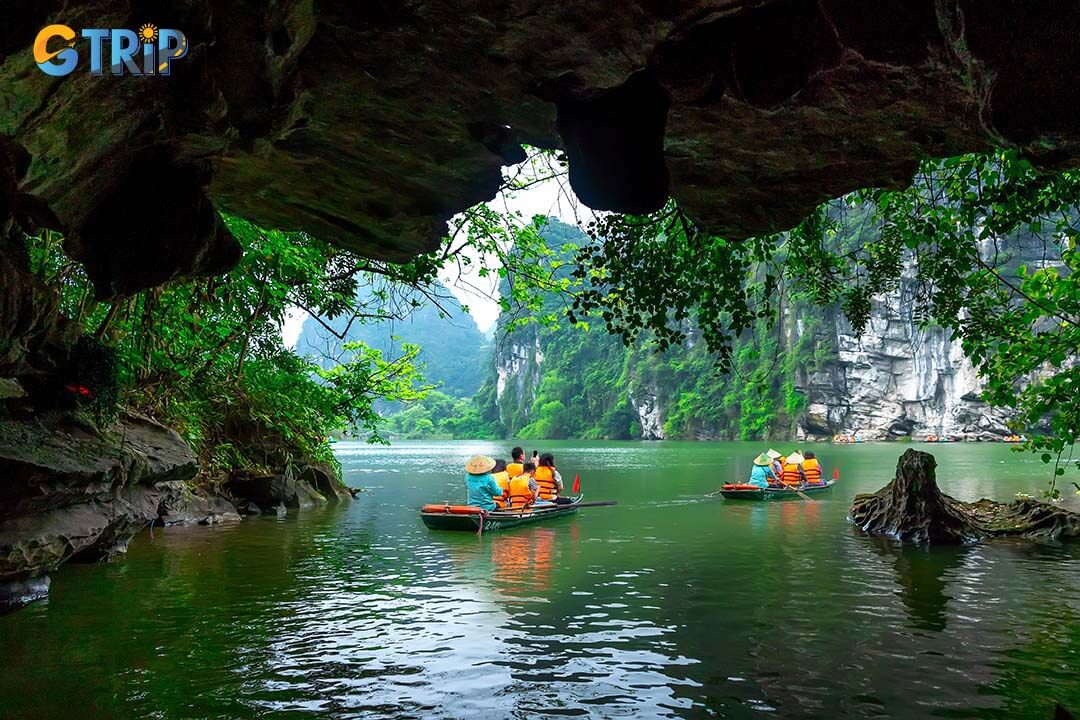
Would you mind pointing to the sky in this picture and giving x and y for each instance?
(551, 197)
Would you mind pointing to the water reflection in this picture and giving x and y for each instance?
(669, 605)
(521, 562)
(922, 578)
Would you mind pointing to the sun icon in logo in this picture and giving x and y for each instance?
(148, 33)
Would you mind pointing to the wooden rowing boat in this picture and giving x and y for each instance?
(774, 493)
(456, 517)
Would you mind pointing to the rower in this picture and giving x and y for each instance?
(480, 486)
(762, 472)
(517, 462)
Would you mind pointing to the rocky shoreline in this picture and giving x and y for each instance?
(74, 494)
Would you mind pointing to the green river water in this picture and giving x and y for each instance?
(668, 605)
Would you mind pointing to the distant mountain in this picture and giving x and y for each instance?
(456, 355)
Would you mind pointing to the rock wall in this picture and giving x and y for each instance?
(71, 493)
(518, 367)
(647, 404)
(896, 380)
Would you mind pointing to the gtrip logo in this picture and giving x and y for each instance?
(149, 51)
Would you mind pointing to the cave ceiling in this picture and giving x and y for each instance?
(370, 124)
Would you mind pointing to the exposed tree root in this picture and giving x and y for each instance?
(912, 508)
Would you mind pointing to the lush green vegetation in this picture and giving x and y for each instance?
(703, 315)
(1019, 325)
(440, 416)
(454, 354)
(589, 381)
(686, 313)
(206, 357)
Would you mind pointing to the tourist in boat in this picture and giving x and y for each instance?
(517, 462)
(777, 463)
(812, 469)
(502, 477)
(524, 490)
(793, 469)
(480, 485)
(761, 474)
(548, 479)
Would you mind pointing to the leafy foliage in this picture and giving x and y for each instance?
(438, 415)
(453, 353)
(1020, 326)
(206, 356)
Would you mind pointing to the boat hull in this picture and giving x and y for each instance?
(765, 494)
(496, 520)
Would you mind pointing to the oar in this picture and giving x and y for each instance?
(557, 508)
(803, 495)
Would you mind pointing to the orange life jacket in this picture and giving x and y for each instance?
(514, 469)
(520, 494)
(791, 474)
(812, 468)
(545, 478)
(503, 480)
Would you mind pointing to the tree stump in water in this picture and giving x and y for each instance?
(911, 508)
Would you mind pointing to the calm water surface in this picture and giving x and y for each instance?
(669, 605)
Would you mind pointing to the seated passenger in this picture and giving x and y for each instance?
(777, 463)
(523, 489)
(548, 479)
(502, 477)
(480, 486)
(793, 470)
(517, 462)
(812, 469)
(762, 473)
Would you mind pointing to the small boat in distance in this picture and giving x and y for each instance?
(471, 518)
(1014, 439)
(846, 439)
(753, 492)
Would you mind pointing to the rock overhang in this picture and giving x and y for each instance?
(371, 124)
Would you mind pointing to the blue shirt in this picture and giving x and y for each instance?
(760, 476)
(480, 489)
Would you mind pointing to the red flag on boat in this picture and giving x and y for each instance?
(836, 473)
(577, 484)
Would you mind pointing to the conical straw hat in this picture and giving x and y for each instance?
(795, 458)
(773, 454)
(762, 460)
(479, 464)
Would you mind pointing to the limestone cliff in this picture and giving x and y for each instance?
(896, 380)
(899, 378)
